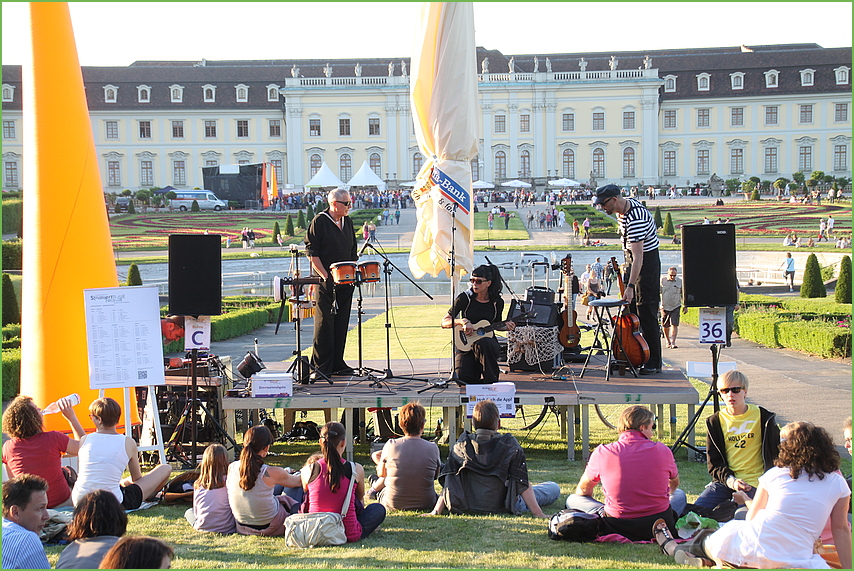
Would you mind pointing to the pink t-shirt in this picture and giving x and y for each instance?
(635, 473)
(40, 455)
(322, 499)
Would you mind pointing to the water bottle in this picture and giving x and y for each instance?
(54, 407)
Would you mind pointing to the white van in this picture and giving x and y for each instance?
(207, 200)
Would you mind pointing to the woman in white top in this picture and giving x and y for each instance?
(105, 454)
(787, 514)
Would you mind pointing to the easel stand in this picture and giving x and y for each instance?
(713, 394)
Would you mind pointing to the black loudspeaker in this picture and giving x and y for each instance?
(546, 314)
(195, 274)
(708, 262)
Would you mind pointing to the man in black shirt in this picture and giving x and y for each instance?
(330, 238)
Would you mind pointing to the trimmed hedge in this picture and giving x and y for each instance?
(13, 216)
(13, 255)
(814, 337)
(232, 324)
(11, 373)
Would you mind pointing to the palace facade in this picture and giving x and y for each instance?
(646, 117)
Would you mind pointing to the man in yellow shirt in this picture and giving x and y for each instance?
(741, 443)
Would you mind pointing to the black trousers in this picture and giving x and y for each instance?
(480, 365)
(638, 528)
(330, 329)
(645, 305)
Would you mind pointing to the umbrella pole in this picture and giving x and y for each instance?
(454, 377)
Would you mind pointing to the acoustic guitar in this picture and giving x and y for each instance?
(569, 334)
(482, 328)
(628, 344)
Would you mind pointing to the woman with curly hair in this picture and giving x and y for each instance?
(787, 514)
(31, 450)
(98, 523)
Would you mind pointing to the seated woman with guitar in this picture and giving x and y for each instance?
(475, 314)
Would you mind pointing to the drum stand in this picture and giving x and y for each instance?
(602, 309)
(363, 371)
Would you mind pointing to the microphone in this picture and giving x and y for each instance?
(364, 247)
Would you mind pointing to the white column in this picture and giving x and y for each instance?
(512, 126)
(649, 171)
(294, 137)
(549, 143)
(487, 157)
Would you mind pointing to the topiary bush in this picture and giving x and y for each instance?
(668, 225)
(843, 284)
(11, 310)
(656, 217)
(194, 207)
(134, 279)
(131, 207)
(301, 220)
(276, 232)
(812, 286)
(755, 195)
(309, 213)
(289, 226)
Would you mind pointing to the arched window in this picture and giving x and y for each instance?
(314, 164)
(345, 167)
(598, 163)
(375, 162)
(500, 165)
(111, 95)
(569, 163)
(628, 162)
(241, 94)
(7, 94)
(525, 163)
(209, 94)
(417, 161)
(176, 94)
(273, 94)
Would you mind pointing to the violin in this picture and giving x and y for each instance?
(628, 344)
(569, 334)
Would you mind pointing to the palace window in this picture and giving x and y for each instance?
(500, 124)
(569, 163)
(524, 123)
(114, 173)
(314, 127)
(703, 161)
(669, 163)
(840, 114)
(805, 159)
(500, 164)
(568, 122)
(628, 162)
(145, 129)
(670, 119)
(703, 117)
(599, 121)
(179, 173)
(737, 117)
(771, 160)
(343, 127)
(525, 163)
(275, 128)
(315, 162)
(736, 161)
(598, 162)
(210, 129)
(146, 173)
(8, 129)
(243, 129)
(375, 163)
(771, 115)
(177, 129)
(373, 126)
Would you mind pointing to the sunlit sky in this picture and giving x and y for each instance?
(119, 33)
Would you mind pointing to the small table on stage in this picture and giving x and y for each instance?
(606, 341)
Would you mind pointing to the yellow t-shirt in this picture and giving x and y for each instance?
(743, 437)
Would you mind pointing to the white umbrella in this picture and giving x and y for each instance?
(564, 182)
(481, 185)
(516, 184)
(443, 92)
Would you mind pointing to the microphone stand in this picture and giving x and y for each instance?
(387, 265)
(713, 394)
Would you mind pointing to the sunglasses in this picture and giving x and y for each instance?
(477, 280)
(346, 203)
(734, 390)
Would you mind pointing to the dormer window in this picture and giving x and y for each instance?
(8, 92)
(807, 77)
(209, 92)
(703, 82)
(242, 93)
(272, 92)
(110, 93)
(143, 93)
(841, 74)
(669, 83)
(176, 93)
(736, 80)
(772, 79)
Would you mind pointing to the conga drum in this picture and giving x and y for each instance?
(343, 273)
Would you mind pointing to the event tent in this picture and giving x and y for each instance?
(564, 182)
(481, 185)
(516, 184)
(324, 177)
(367, 177)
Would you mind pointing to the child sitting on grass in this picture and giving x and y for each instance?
(211, 510)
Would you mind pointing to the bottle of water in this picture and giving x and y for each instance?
(54, 407)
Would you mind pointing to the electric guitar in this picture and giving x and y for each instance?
(482, 328)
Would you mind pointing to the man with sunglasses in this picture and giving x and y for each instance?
(331, 238)
(741, 443)
(640, 246)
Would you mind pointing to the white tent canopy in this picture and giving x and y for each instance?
(479, 184)
(366, 177)
(409, 183)
(516, 183)
(564, 182)
(324, 177)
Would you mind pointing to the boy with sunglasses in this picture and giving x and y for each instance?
(741, 443)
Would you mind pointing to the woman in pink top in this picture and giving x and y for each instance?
(326, 479)
(639, 479)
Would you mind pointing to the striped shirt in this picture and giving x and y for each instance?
(637, 225)
(22, 548)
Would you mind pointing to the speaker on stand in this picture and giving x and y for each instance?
(708, 265)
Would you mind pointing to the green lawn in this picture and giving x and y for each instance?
(515, 231)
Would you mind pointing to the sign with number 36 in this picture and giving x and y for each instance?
(712, 325)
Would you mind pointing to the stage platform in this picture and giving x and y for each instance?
(571, 394)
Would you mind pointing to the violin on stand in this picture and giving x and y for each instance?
(628, 344)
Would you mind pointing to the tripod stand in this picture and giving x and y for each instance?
(175, 451)
(713, 394)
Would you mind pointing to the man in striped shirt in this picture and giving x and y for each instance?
(24, 516)
(640, 245)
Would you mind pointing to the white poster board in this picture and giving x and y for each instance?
(712, 325)
(502, 394)
(123, 337)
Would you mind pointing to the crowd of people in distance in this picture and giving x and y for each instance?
(778, 493)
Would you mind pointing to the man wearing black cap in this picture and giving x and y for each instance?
(640, 245)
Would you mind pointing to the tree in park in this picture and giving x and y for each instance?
(289, 226)
(11, 310)
(812, 286)
(134, 279)
(657, 217)
(195, 206)
(276, 232)
(843, 284)
(668, 225)
(309, 212)
(301, 220)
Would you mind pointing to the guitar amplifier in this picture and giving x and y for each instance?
(547, 314)
(541, 295)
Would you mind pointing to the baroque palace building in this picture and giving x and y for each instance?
(656, 117)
